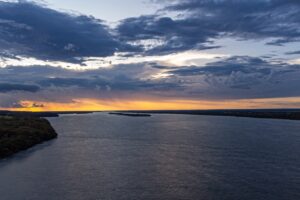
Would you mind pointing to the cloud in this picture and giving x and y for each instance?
(199, 22)
(153, 56)
(28, 29)
(227, 67)
(10, 87)
(247, 19)
(22, 104)
(237, 77)
(165, 35)
(293, 53)
(240, 77)
(59, 84)
(31, 30)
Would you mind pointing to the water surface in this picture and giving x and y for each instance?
(101, 156)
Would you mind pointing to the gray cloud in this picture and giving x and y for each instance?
(20, 105)
(238, 77)
(175, 35)
(134, 79)
(31, 30)
(293, 53)
(201, 21)
(9, 87)
(227, 67)
(241, 77)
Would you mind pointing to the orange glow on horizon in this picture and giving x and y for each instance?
(109, 105)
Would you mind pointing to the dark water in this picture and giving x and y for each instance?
(103, 156)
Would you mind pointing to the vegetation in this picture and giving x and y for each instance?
(131, 114)
(291, 114)
(20, 133)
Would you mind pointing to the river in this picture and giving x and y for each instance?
(103, 157)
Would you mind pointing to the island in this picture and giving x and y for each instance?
(20, 133)
(129, 114)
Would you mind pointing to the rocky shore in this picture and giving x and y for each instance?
(21, 133)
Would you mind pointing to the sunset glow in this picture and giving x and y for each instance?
(98, 105)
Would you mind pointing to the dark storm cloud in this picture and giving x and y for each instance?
(227, 67)
(90, 83)
(176, 35)
(293, 53)
(241, 77)
(238, 77)
(10, 87)
(124, 78)
(248, 19)
(201, 21)
(31, 30)
(121, 84)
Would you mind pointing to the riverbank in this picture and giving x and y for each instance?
(21, 133)
(40, 114)
(289, 114)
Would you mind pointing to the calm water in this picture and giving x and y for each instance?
(103, 156)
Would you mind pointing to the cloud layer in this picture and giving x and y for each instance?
(230, 78)
(199, 22)
(30, 30)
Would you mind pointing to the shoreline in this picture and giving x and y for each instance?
(284, 114)
(21, 133)
(130, 114)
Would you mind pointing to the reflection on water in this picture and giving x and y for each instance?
(103, 156)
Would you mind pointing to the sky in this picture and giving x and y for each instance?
(110, 11)
(63, 55)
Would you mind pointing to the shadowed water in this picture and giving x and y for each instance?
(101, 156)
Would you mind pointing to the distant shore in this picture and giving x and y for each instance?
(130, 114)
(289, 114)
(40, 114)
(21, 133)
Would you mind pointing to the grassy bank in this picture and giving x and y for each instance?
(20, 133)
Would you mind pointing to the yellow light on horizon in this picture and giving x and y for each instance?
(109, 105)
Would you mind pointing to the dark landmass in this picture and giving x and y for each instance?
(28, 114)
(131, 114)
(75, 112)
(20, 133)
(291, 114)
(39, 114)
